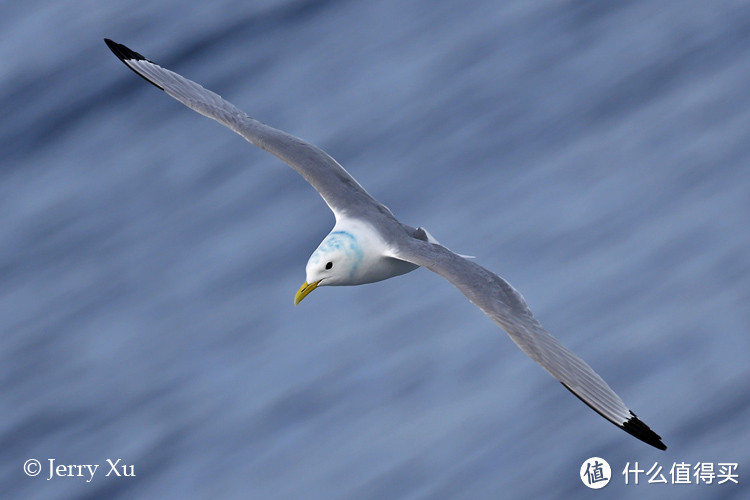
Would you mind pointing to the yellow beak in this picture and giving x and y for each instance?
(304, 290)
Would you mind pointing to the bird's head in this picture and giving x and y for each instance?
(334, 262)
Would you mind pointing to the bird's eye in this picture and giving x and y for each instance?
(329, 265)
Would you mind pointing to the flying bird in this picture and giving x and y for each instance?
(368, 244)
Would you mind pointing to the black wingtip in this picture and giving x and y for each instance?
(633, 426)
(124, 54)
(637, 428)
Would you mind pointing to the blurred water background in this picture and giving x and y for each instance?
(594, 154)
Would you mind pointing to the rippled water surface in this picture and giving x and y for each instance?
(597, 156)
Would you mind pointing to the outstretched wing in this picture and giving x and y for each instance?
(506, 307)
(338, 188)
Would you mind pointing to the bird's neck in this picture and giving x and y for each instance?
(375, 263)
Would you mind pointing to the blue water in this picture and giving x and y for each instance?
(596, 155)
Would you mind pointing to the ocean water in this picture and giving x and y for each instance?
(595, 155)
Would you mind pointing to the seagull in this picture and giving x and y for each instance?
(368, 244)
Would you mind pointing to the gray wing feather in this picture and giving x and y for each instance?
(339, 189)
(506, 307)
